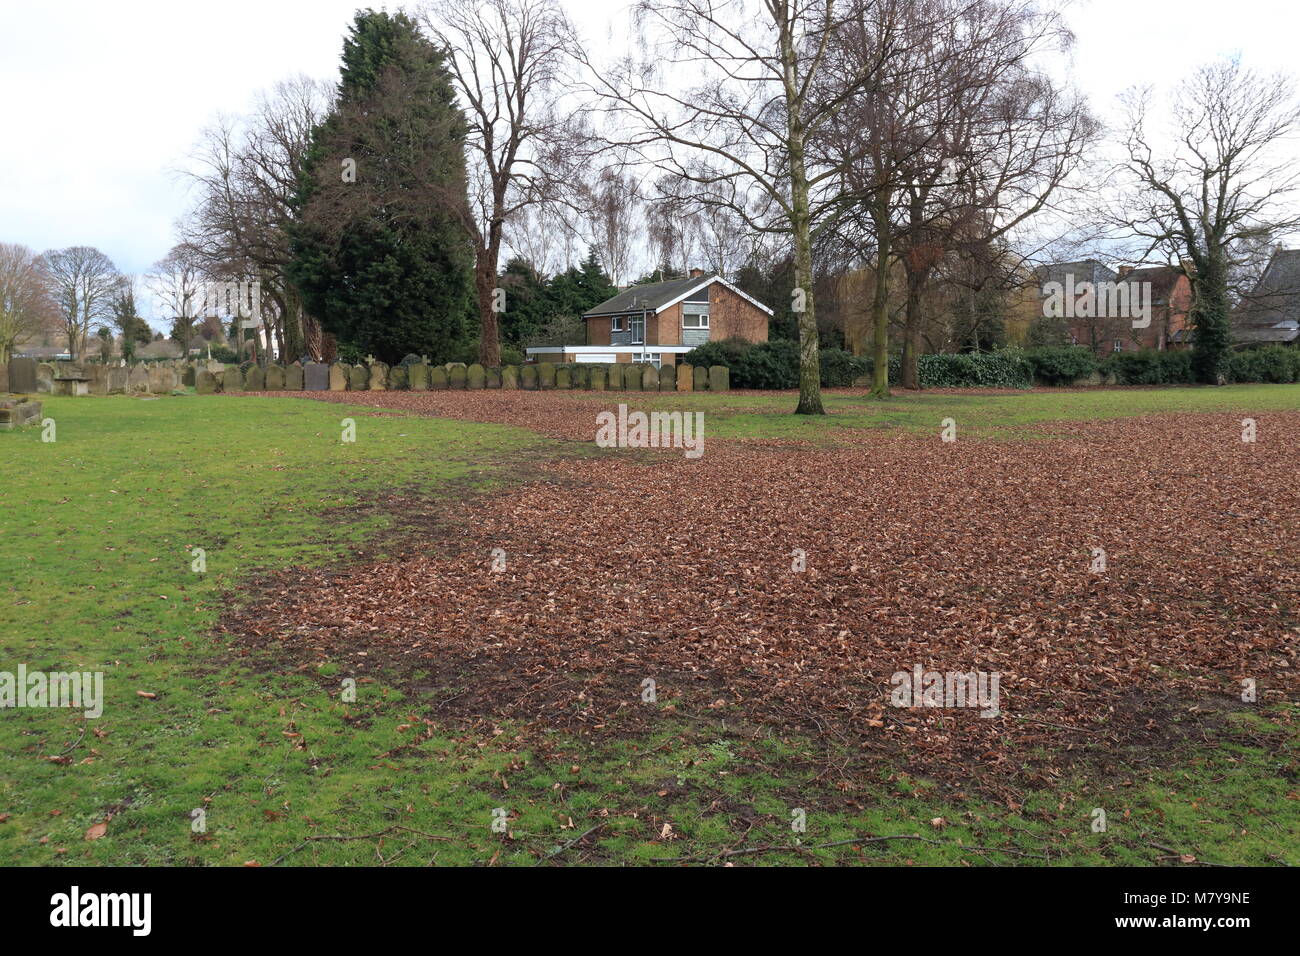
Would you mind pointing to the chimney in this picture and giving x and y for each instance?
(696, 273)
(1124, 270)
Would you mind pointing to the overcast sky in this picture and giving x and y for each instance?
(100, 101)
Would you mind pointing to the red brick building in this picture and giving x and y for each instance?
(659, 322)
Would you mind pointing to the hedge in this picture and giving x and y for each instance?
(1004, 369)
(1061, 365)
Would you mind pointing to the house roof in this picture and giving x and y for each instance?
(1274, 303)
(655, 296)
(1085, 270)
(1162, 279)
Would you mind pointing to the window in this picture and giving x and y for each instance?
(646, 358)
(616, 324)
(698, 321)
(636, 324)
(1119, 346)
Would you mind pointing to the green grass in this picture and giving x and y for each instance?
(767, 415)
(94, 532)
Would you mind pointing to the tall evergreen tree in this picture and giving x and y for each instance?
(379, 255)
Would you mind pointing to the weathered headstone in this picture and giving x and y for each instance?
(22, 375)
(398, 378)
(438, 378)
(476, 376)
(316, 377)
(358, 378)
(614, 377)
(582, 376)
(719, 378)
(493, 377)
(232, 379)
(632, 377)
(564, 377)
(417, 377)
(668, 378)
(162, 379)
(378, 376)
(255, 380)
(293, 378)
(188, 376)
(17, 412)
(96, 379)
(597, 374)
(119, 380)
(338, 377)
(457, 376)
(528, 378)
(44, 377)
(510, 377)
(685, 378)
(546, 375)
(139, 380)
(205, 383)
(701, 376)
(275, 378)
(650, 378)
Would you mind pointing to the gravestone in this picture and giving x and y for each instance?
(255, 381)
(438, 379)
(614, 377)
(510, 377)
(719, 378)
(205, 383)
(564, 378)
(528, 378)
(44, 377)
(293, 379)
(685, 378)
(139, 380)
(338, 377)
(232, 379)
(161, 379)
(4, 377)
(378, 377)
(668, 378)
(98, 379)
(476, 376)
(187, 376)
(275, 378)
(650, 379)
(399, 377)
(493, 377)
(417, 377)
(119, 380)
(582, 376)
(457, 376)
(358, 378)
(546, 375)
(632, 379)
(17, 412)
(598, 378)
(22, 375)
(701, 376)
(316, 377)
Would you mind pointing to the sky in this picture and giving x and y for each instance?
(101, 102)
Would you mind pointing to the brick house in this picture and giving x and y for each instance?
(1171, 307)
(659, 322)
(1089, 320)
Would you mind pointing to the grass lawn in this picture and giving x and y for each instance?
(96, 532)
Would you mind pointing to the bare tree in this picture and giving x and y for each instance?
(616, 218)
(25, 305)
(1225, 184)
(508, 59)
(727, 96)
(82, 283)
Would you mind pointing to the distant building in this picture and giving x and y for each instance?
(1270, 313)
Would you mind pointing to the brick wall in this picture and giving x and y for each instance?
(729, 315)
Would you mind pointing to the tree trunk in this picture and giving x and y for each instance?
(880, 303)
(1210, 312)
(810, 372)
(485, 284)
(912, 329)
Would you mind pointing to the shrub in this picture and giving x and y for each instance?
(1003, 369)
(840, 368)
(1150, 367)
(726, 352)
(767, 365)
(1273, 364)
(1061, 365)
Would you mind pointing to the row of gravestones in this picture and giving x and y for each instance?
(378, 377)
(27, 376)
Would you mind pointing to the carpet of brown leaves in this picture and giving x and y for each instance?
(974, 555)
